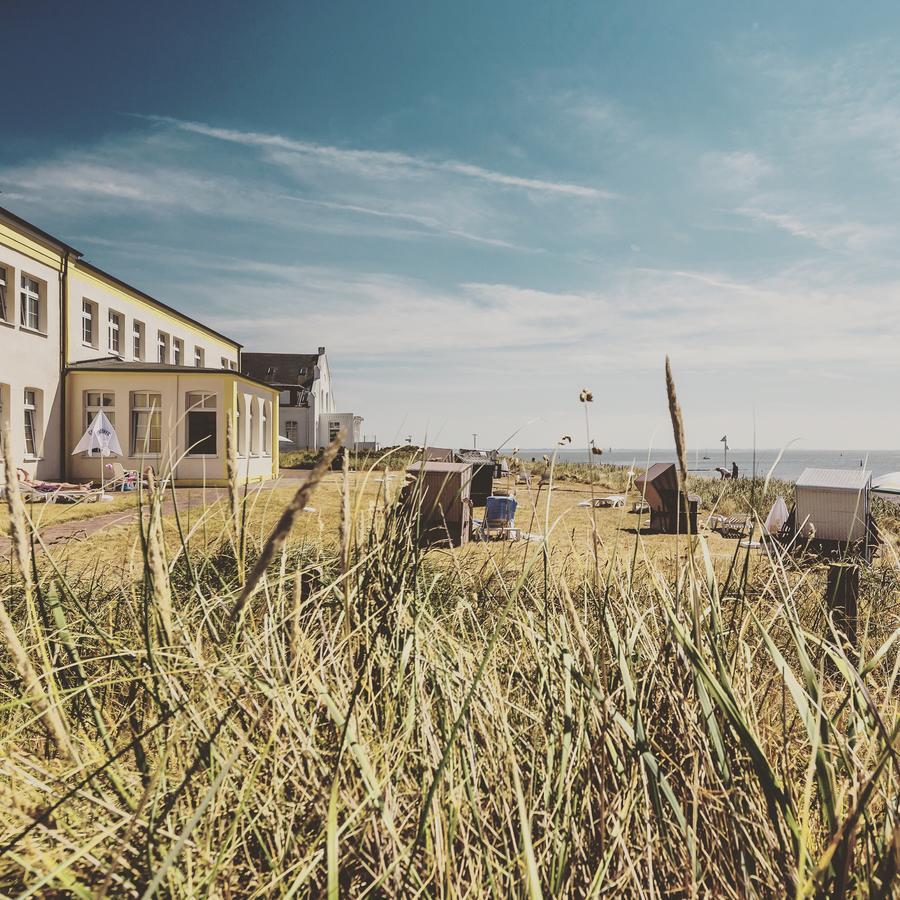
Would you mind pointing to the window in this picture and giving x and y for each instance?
(241, 437)
(290, 431)
(177, 351)
(224, 362)
(137, 339)
(233, 366)
(87, 323)
(30, 296)
(201, 424)
(94, 401)
(162, 347)
(4, 309)
(264, 404)
(146, 424)
(114, 327)
(254, 428)
(32, 422)
(199, 357)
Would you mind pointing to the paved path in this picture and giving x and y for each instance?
(188, 498)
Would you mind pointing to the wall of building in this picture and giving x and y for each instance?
(305, 433)
(30, 359)
(252, 397)
(106, 296)
(831, 515)
(331, 423)
(248, 403)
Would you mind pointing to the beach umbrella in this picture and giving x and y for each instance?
(100, 436)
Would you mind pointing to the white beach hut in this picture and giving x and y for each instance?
(833, 504)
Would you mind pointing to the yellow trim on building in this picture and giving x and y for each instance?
(21, 243)
(135, 297)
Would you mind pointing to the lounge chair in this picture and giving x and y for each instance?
(730, 526)
(499, 517)
(640, 506)
(52, 491)
(122, 479)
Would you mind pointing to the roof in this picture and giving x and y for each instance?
(437, 454)
(476, 455)
(24, 223)
(110, 364)
(438, 467)
(281, 369)
(90, 267)
(835, 479)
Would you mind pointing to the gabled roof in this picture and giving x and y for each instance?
(835, 479)
(281, 369)
(38, 232)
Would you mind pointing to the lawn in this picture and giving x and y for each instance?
(359, 718)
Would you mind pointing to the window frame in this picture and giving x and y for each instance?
(177, 351)
(162, 347)
(31, 411)
(199, 357)
(203, 403)
(138, 332)
(27, 298)
(91, 410)
(140, 446)
(114, 322)
(7, 313)
(88, 320)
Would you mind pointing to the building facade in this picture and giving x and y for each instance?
(75, 339)
(307, 415)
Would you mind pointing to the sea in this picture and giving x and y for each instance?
(788, 464)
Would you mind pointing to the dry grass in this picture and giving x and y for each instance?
(487, 722)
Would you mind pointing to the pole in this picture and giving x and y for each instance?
(474, 441)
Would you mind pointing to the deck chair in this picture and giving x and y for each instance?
(499, 517)
(122, 478)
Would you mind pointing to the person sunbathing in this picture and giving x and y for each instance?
(47, 487)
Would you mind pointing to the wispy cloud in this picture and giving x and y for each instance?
(842, 233)
(383, 164)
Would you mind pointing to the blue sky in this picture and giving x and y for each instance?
(482, 208)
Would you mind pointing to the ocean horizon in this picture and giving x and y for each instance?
(704, 462)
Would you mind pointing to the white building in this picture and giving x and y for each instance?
(307, 413)
(75, 339)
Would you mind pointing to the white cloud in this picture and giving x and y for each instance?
(850, 235)
(382, 164)
(739, 170)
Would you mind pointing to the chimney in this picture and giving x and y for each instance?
(321, 351)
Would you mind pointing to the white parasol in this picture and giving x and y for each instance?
(101, 436)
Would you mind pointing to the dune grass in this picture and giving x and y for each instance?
(376, 720)
(277, 702)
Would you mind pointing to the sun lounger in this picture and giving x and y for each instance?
(499, 516)
(730, 526)
(640, 506)
(46, 493)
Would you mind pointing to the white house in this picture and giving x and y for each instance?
(307, 412)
